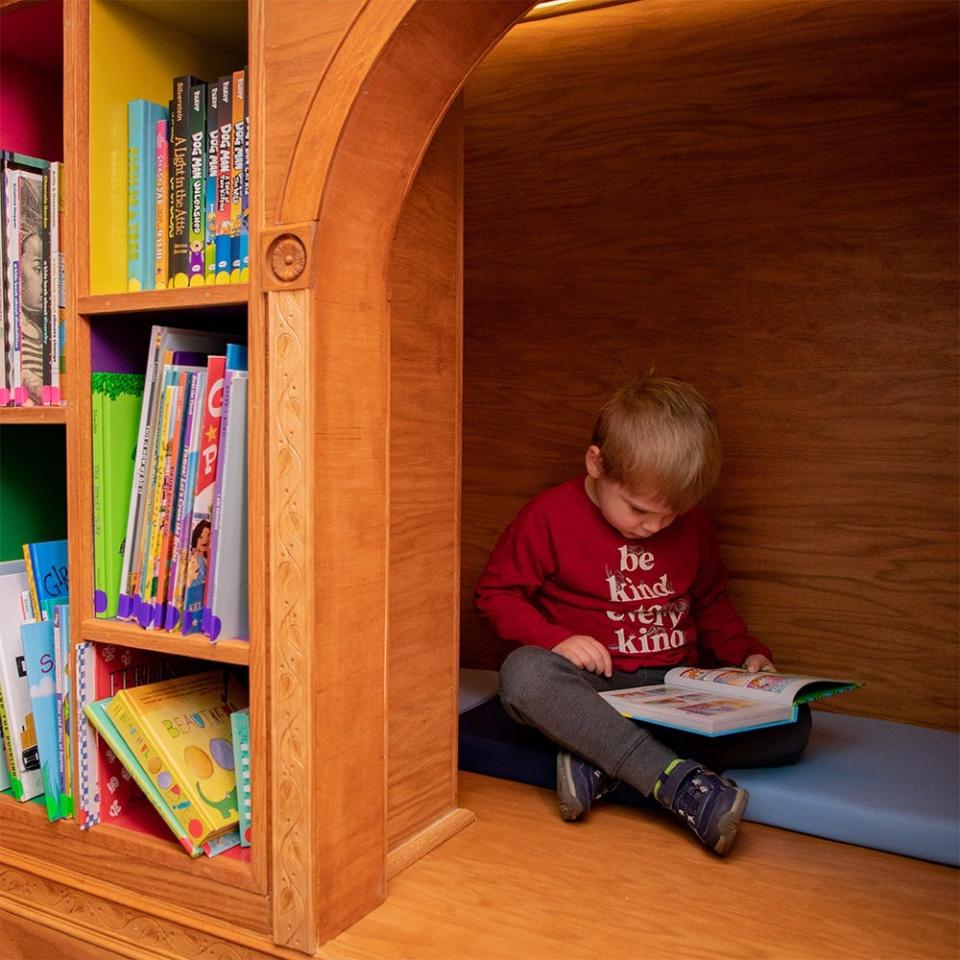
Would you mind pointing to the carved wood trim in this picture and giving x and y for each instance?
(118, 926)
(290, 496)
(287, 258)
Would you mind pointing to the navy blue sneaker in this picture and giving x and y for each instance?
(579, 785)
(711, 805)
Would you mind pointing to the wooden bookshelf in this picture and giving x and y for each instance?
(150, 301)
(164, 641)
(33, 415)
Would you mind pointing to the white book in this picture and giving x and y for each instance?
(25, 776)
(723, 700)
(228, 566)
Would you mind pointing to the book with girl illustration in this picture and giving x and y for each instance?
(724, 700)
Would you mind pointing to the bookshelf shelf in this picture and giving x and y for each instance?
(33, 415)
(105, 304)
(163, 641)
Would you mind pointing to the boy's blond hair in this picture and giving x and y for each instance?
(660, 432)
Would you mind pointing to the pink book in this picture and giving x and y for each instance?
(198, 548)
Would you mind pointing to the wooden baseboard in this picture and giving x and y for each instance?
(109, 922)
(411, 850)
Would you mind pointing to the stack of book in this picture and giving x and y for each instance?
(31, 281)
(35, 678)
(178, 561)
(188, 186)
(183, 742)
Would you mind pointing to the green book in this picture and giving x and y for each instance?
(116, 421)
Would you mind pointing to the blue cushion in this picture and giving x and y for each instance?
(878, 784)
(890, 786)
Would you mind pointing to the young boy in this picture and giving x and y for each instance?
(609, 580)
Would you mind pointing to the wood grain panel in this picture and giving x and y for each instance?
(424, 600)
(760, 198)
(294, 61)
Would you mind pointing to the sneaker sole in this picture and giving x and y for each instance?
(570, 807)
(730, 822)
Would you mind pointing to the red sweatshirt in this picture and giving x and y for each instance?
(560, 569)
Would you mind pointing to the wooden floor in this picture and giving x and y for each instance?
(522, 885)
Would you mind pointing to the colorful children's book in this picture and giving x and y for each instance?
(180, 731)
(164, 341)
(142, 119)
(40, 658)
(196, 263)
(236, 174)
(161, 202)
(240, 727)
(198, 543)
(223, 241)
(723, 701)
(179, 156)
(16, 707)
(4, 762)
(97, 715)
(245, 203)
(61, 640)
(116, 413)
(47, 569)
(105, 790)
(225, 595)
(212, 160)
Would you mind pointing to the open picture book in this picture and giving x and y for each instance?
(724, 700)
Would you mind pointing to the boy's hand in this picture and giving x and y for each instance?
(587, 654)
(757, 662)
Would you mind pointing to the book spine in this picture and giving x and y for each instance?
(12, 246)
(224, 226)
(87, 792)
(136, 116)
(100, 585)
(5, 306)
(245, 203)
(30, 269)
(47, 312)
(52, 393)
(66, 701)
(161, 196)
(216, 514)
(31, 582)
(155, 498)
(210, 192)
(196, 266)
(236, 175)
(200, 533)
(184, 500)
(180, 183)
(172, 482)
(61, 280)
(16, 787)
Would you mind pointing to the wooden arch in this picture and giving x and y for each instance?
(325, 426)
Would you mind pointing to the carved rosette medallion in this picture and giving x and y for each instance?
(287, 258)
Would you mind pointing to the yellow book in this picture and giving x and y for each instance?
(155, 528)
(180, 731)
(31, 583)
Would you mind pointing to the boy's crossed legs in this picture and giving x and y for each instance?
(546, 691)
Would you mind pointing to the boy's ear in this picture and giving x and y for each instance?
(594, 461)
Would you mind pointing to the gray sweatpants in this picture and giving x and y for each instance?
(546, 691)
